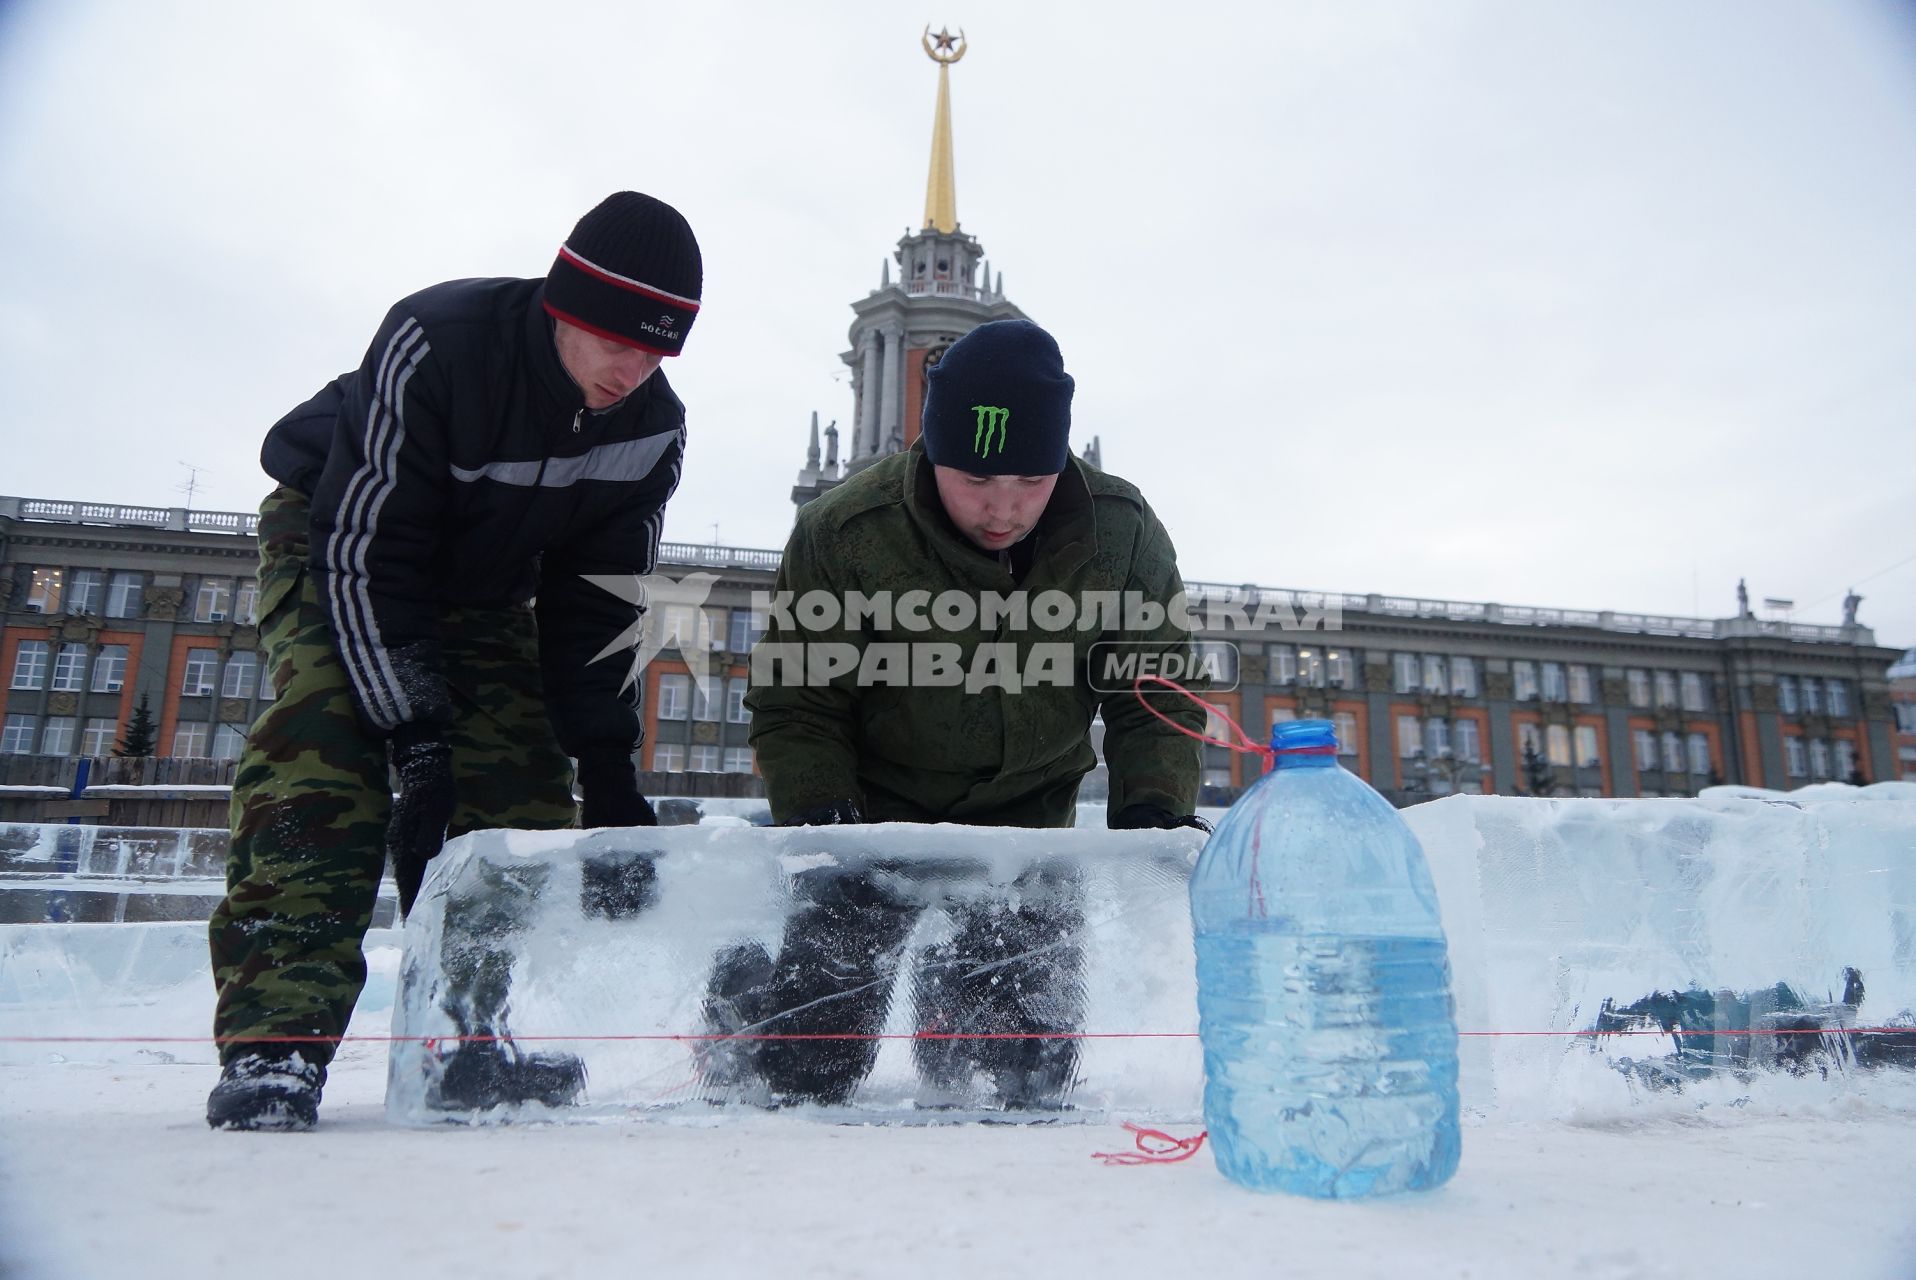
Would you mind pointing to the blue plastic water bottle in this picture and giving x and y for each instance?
(1330, 1040)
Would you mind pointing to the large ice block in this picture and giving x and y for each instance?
(896, 971)
(1003, 973)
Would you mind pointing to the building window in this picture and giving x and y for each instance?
(1839, 697)
(1309, 672)
(109, 669)
(1345, 725)
(1797, 759)
(1690, 684)
(1666, 685)
(189, 740)
(704, 760)
(1523, 679)
(1342, 667)
(668, 757)
(1906, 717)
(704, 706)
(1463, 677)
(1586, 747)
(86, 591)
(735, 690)
(1786, 695)
(58, 738)
(266, 693)
(30, 665)
(1699, 746)
(1646, 745)
(43, 594)
(1812, 695)
(246, 603)
(1845, 759)
(747, 628)
(123, 596)
(1819, 759)
(1463, 738)
(738, 759)
(1410, 738)
(242, 673)
(1672, 753)
(1557, 744)
(1215, 778)
(1434, 680)
(228, 741)
(1437, 738)
(1283, 664)
(678, 623)
(1554, 687)
(202, 667)
(1404, 666)
(1218, 660)
(1639, 682)
(97, 739)
(69, 669)
(674, 697)
(1582, 689)
(1530, 740)
(214, 603)
(16, 739)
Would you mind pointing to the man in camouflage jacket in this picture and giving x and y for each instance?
(940, 707)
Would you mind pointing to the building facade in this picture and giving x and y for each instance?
(106, 607)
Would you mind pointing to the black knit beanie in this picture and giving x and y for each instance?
(999, 403)
(630, 271)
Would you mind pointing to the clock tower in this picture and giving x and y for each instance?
(944, 289)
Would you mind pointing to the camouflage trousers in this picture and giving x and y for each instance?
(313, 793)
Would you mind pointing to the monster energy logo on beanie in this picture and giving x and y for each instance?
(1005, 370)
(991, 419)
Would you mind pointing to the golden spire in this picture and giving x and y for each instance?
(941, 187)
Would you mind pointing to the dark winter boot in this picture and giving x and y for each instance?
(276, 1089)
(733, 998)
(483, 1075)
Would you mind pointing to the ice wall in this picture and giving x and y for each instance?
(1553, 907)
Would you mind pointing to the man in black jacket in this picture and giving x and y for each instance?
(502, 440)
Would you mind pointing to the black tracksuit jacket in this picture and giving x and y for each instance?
(458, 465)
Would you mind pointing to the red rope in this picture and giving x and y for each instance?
(1244, 742)
(1154, 1146)
(901, 1035)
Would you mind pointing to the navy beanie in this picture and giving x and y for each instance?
(999, 403)
(630, 271)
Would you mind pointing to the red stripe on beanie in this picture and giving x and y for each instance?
(625, 282)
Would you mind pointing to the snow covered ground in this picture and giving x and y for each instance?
(109, 1171)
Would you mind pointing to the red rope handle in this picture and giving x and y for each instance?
(1244, 742)
(1154, 1146)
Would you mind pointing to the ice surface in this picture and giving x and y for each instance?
(622, 949)
(619, 941)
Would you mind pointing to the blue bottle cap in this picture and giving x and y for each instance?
(1304, 737)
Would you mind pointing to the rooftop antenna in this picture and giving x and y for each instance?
(191, 484)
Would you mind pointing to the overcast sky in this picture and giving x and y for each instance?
(1587, 305)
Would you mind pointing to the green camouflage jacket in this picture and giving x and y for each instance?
(975, 751)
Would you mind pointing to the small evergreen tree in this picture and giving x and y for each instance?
(1539, 775)
(141, 733)
(1857, 778)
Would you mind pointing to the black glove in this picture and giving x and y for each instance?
(422, 759)
(611, 787)
(1140, 817)
(836, 813)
